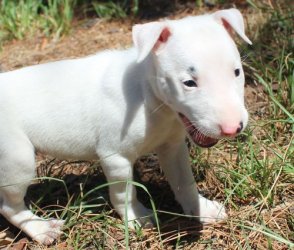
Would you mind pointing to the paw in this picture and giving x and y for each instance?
(44, 231)
(205, 210)
(138, 216)
(210, 211)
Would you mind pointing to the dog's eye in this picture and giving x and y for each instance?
(237, 72)
(190, 83)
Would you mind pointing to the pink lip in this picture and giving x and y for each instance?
(198, 138)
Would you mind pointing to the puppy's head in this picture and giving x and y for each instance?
(200, 75)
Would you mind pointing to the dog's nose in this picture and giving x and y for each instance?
(231, 130)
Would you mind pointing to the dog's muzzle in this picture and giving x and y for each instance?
(197, 137)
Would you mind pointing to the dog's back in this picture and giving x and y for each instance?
(59, 102)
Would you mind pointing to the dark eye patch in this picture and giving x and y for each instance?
(191, 69)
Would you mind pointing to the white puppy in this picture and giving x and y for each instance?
(182, 77)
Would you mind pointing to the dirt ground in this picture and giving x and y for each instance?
(88, 37)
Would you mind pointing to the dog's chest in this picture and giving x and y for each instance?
(160, 130)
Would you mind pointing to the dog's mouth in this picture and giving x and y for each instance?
(198, 138)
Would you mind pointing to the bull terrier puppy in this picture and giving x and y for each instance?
(182, 77)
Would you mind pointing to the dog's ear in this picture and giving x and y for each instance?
(232, 19)
(149, 37)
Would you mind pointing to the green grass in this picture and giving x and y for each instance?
(23, 18)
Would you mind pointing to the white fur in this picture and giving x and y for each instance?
(119, 105)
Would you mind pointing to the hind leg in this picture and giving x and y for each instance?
(17, 169)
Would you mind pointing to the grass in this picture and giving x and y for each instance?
(23, 18)
(253, 174)
(19, 19)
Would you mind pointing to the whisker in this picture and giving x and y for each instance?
(157, 108)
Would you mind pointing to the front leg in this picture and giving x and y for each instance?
(118, 171)
(174, 160)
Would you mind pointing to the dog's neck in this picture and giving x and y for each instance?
(152, 101)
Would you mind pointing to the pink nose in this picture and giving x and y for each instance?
(229, 130)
